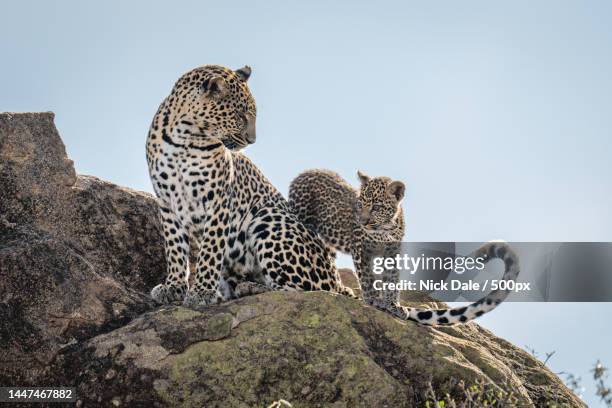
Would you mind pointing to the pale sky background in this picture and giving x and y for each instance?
(497, 116)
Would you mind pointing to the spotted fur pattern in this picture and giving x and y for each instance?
(213, 196)
(210, 193)
(346, 219)
(350, 222)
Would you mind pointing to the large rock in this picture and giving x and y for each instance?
(78, 256)
(77, 253)
(311, 349)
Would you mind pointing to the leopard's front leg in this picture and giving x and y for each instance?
(391, 249)
(176, 244)
(209, 267)
(365, 280)
(362, 257)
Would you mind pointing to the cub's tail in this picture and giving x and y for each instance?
(458, 315)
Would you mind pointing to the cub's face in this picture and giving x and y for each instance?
(379, 201)
(212, 102)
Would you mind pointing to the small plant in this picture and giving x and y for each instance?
(534, 353)
(574, 383)
(600, 375)
(476, 395)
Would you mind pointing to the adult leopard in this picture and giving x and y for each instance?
(247, 237)
(209, 192)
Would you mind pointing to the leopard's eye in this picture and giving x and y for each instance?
(241, 117)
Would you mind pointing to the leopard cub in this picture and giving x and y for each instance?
(347, 219)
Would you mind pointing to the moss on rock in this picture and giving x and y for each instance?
(314, 350)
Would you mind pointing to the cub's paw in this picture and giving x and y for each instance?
(167, 294)
(202, 297)
(392, 308)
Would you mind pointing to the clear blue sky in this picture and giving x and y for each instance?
(498, 116)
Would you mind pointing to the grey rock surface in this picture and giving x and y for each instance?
(77, 254)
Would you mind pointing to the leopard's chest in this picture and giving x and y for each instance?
(377, 236)
(191, 185)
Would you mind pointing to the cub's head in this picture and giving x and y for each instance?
(379, 202)
(209, 102)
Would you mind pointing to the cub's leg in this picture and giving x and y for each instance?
(391, 297)
(362, 257)
(209, 266)
(365, 280)
(176, 245)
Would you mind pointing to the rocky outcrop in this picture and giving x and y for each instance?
(311, 349)
(78, 256)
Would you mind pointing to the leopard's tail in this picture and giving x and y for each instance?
(458, 315)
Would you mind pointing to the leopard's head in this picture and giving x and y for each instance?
(210, 102)
(379, 202)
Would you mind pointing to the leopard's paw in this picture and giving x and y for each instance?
(250, 288)
(165, 294)
(346, 291)
(202, 297)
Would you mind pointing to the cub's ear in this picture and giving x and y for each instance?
(397, 189)
(363, 178)
(215, 86)
(244, 73)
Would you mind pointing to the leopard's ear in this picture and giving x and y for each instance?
(244, 73)
(215, 86)
(363, 178)
(396, 189)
